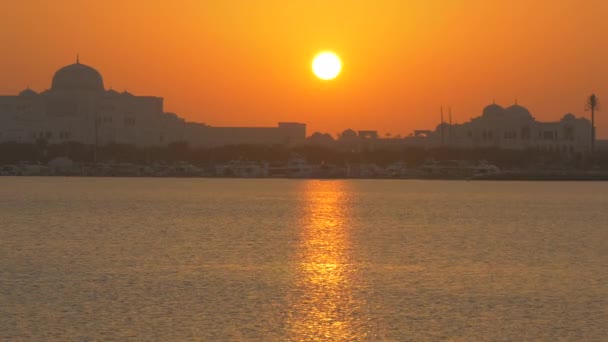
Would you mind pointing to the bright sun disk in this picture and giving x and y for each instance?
(326, 65)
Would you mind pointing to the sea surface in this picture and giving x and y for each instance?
(85, 259)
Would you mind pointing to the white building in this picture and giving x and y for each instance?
(77, 108)
(512, 128)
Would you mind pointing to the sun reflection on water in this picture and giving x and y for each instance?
(325, 306)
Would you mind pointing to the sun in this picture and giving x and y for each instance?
(326, 65)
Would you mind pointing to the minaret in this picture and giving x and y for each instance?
(77, 58)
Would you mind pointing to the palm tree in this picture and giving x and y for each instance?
(593, 104)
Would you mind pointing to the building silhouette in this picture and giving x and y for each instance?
(513, 127)
(78, 108)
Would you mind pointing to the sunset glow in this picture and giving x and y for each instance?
(327, 65)
(304, 170)
(249, 64)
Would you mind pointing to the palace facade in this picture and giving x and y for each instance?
(78, 108)
(511, 128)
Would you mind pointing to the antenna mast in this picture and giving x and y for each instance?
(442, 126)
(450, 125)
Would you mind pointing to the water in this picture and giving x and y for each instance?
(299, 260)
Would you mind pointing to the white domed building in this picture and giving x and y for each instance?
(78, 108)
(514, 128)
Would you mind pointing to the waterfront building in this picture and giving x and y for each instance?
(78, 108)
(513, 127)
(286, 133)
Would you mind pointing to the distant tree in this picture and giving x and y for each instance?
(593, 104)
(320, 138)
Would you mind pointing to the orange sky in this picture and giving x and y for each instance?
(241, 62)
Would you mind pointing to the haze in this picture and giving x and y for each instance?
(249, 64)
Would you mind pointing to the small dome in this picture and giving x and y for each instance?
(112, 92)
(28, 92)
(568, 117)
(126, 93)
(492, 111)
(518, 111)
(349, 133)
(77, 77)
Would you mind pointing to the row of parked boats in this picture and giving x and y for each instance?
(293, 168)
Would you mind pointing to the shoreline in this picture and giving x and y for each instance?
(579, 177)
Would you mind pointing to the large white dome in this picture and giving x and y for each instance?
(492, 111)
(519, 112)
(77, 77)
